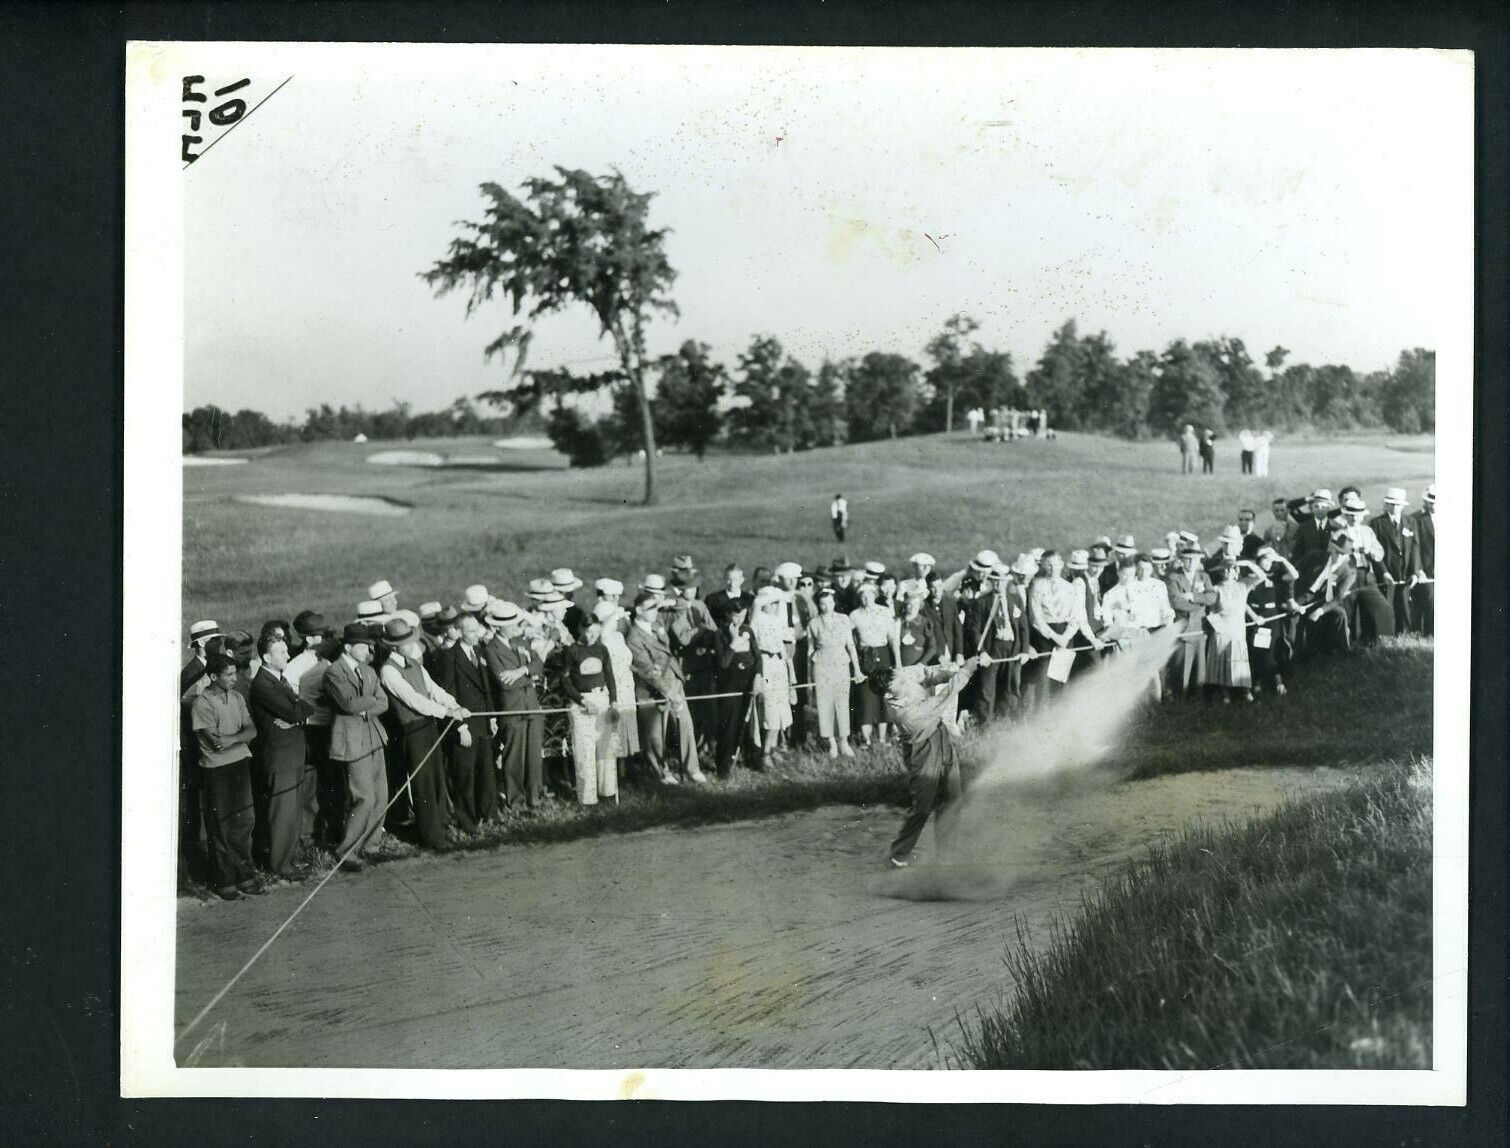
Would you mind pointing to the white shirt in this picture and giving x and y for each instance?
(307, 675)
(839, 508)
(435, 702)
(1149, 598)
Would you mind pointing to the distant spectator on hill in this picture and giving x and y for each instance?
(1188, 449)
(1208, 452)
(1261, 453)
(838, 513)
(1246, 447)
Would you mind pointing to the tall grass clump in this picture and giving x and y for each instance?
(1299, 940)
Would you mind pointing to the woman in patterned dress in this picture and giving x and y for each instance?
(1227, 647)
(877, 641)
(769, 628)
(833, 665)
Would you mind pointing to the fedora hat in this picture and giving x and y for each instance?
(369, 611)
(381, 588)
(922, 558)
(1189, 537)
(684, 564)
(398, 631)
(1395, 496)
(309, 623)
(609, 587)
(541, 589)
(840, 565)
(428, 611)
(874, 569)
(1430, 497)
(500, 612)
(788, 570)
(1230, 533)
(1126, 545)
(1321, 496)
(1100, 552)
(1352, 500)
(564, 581)
(654, 584)
(357, 633)
(474, 600)
(1079, 560)
(985, 561)
(203, 631)
(1159, 554)
(1190, 548)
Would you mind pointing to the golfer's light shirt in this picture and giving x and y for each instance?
(917, 713)
(839, 509)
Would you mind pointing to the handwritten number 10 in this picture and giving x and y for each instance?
(222, 115)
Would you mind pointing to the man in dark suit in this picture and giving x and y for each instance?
(1401, 560)
(517, 671)
(1313, 529)
(722, 604)
(988, 629)
(357, 739)
(846, 592)
(1325, 598)
(289, 775)
(1423, 599)
(943, 611)
(1252, 540)
(462, 672)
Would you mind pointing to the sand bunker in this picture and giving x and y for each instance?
(407, 458)
(524, 442)
(762, 944)
(344, 503)
(199, 460)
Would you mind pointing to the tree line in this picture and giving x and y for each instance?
(210, 428)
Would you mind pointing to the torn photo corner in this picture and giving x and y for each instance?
(512, 712)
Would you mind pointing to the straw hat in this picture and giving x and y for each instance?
(203, 631)
(985, 561)
(609, 587)
(369, 611)
(564, 581)
(380, 589)
(1126, 545)
(1430, 497)
(654, 583)
(500, 612)
(1395, 496)
(474, 599)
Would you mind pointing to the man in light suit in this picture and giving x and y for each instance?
(1190, 594)
(658, 676)
(357, 739)
(1400, 566)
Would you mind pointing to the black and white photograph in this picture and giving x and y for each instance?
(681, 562)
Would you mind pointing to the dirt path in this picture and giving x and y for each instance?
(765, 944)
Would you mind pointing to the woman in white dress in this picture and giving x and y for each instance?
(769, 628)
(1227, 647)
(878, 640)
(612, 618)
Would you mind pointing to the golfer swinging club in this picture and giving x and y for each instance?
(930, 744)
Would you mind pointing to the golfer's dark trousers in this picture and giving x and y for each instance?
(932, 788)
(228, 819)
(290, 785)
(734, 726)
(1370, 613)
(839, 529)
(522, 741)
(469, 774)
(425, 772)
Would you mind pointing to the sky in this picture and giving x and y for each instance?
(843, 200)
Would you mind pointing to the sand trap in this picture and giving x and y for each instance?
(344, 503)
(524, 442)
(407, 458)
(200, 460)
(765, 944)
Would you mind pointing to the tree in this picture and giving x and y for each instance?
(576, 239)
(778, 392)
(1408, 397)
(827, 405)
(687, 396)
(1241, 383)
(1275, 359)
(881, 396)
(583, 441)
(947, 350)
(1055, 383)
(1187, 390)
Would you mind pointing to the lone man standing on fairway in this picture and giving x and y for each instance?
(1188, 447)
(838, 513)
(930, 744)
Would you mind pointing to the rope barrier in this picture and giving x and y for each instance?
(334, 869)
(440, 737)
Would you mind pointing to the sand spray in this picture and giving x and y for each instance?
(1014, 768)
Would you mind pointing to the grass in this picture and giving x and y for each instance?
(1300, 940)
(952, 496)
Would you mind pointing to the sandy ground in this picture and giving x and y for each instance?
(765, 944)
(348, 503)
